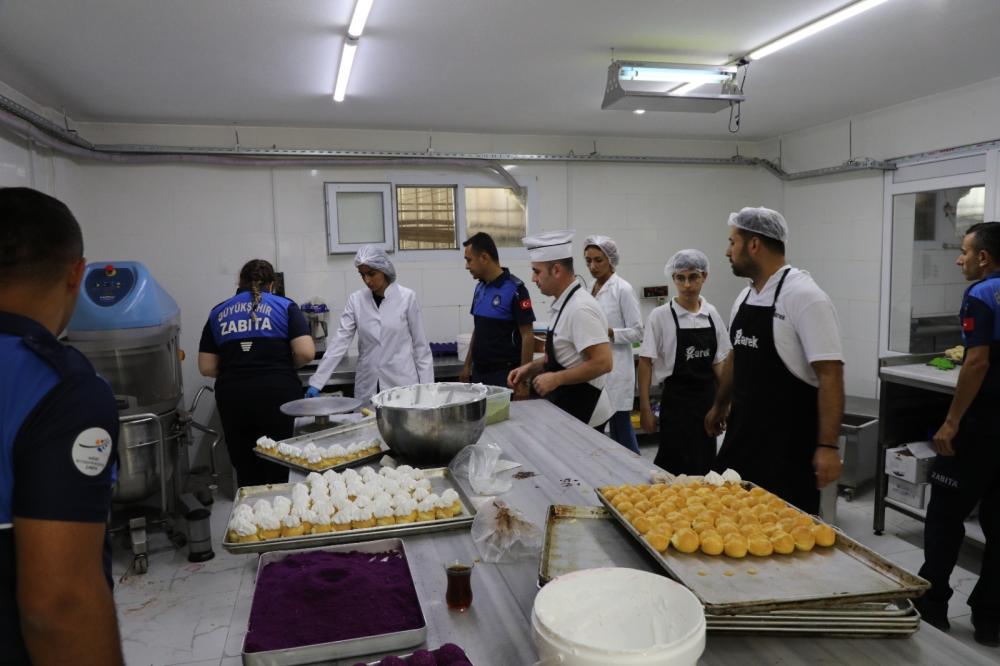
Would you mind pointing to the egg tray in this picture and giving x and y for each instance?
(847, 573)
(440, 478)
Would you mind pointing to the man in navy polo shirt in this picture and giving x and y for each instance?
(502, 339)
(58, 431)
(967, 468)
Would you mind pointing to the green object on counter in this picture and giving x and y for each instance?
(942, 363)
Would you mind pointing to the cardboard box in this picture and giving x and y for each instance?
(910, 462)
(912, 494)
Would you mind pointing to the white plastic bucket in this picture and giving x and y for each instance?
(617, 617)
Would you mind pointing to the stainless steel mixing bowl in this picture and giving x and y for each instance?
(430, 423)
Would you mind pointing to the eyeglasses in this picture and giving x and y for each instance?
(693, 278)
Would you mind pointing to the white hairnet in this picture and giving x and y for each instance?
(686, 260)
(763, 221)
(607, 246)
(375, 257)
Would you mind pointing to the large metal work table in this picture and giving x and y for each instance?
(568, 460)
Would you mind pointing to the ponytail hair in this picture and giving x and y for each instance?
(256, 275)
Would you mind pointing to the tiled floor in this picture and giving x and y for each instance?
(195, 614)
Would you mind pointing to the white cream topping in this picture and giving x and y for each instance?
(282, 505)
(243, 526)
(269, 522)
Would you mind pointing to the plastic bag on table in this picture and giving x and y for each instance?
(503, 535)
(479, 464)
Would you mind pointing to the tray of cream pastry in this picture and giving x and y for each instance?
(346, 507)
(742, 549)
(335, 448)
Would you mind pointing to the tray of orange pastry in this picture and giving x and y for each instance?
(740, 548)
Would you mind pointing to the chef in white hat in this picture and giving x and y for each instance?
(577, 350)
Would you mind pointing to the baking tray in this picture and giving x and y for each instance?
(439, 477)
(364, 429)
(847, 573)
(586, 537)
(353, 647)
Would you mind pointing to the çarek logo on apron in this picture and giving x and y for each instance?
(693, 352)
(740, 340)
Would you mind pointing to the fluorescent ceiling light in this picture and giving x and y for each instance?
(676, 74)
(687, 87)
(827, 21)
(359, 17)
(344, 73)
(635, 85)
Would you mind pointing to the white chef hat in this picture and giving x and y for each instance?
(605, 245)
(763, 221)
(549, 245)
(375, 257)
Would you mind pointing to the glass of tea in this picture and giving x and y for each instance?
(459, 594)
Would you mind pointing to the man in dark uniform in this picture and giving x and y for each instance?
(58, 432)
(503, 338)
(967, 469)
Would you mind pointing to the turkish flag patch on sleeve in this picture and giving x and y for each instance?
(526, 304)
(968, 324)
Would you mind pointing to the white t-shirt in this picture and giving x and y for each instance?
(806, 328)
(660, 341)
(581, 325)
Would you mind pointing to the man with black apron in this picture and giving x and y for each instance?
(577, 351)
(967, 469)
(784, 379)
(684, 351)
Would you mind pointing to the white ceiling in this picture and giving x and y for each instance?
(497, 66)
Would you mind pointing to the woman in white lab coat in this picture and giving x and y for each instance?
(617, 298)
(392, 347)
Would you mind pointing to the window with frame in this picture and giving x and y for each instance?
(357, 214)
(497, 211)
(426, 218)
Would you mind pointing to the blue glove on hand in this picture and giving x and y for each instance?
(312, 392)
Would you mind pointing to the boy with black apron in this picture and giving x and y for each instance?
(687, 395)
(687, 356)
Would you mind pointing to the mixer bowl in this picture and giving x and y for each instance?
(430, 423)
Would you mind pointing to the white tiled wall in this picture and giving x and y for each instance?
(836, 234)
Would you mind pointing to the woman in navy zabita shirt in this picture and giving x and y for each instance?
(252, 343)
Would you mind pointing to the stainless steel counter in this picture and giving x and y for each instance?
(569, 460)
(914, 401)
(446, 368)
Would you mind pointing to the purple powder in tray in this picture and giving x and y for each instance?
(322, 597)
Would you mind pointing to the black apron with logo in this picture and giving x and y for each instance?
(774, 421)
(688, 394)
(577, 400)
